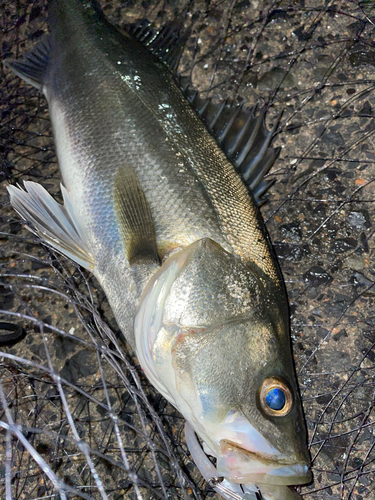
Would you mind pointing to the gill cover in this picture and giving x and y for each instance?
(195, 303)
(211, 338)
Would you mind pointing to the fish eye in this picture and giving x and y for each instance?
(275, 397)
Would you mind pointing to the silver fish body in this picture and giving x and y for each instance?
(166, 224)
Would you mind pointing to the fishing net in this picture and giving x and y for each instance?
(77, 417)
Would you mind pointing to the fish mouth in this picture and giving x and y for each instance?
(244, 466)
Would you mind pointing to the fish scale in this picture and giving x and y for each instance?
(150, 155)
(165, 107)
(160, 215)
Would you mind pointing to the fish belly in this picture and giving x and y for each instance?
(102, 127)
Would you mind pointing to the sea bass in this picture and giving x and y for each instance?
(156, 210)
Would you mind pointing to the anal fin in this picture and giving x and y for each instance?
(56, 224)
(135, 219)
(32, 66)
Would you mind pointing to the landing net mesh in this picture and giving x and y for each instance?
(77, 417)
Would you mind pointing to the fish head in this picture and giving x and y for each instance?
(212, 335)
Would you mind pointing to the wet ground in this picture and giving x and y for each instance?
(315, 61)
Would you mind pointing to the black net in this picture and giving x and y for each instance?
(77, 416)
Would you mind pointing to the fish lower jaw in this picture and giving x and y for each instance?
(284, 476)
(243, 466)
(287, 476)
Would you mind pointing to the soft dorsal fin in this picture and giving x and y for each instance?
(33, 65)
(167, 43)
(242, 134)
(240, 131)
(135, 219)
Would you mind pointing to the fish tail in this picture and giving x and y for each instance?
(73, 12)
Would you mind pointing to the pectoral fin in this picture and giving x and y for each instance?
(135, 219)
(57, 224)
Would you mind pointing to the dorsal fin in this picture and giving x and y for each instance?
(32, 66)
(240, 131)
(242, 134)
(135, 219)
(167, 42)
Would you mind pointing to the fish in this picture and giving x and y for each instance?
(160, 190)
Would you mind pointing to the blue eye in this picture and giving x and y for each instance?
(275, 399)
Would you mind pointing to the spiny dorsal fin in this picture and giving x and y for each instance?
(135, 219)
(167, 42)
(242, 134)
(57, 224)
(238, 130)
(32, 66)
